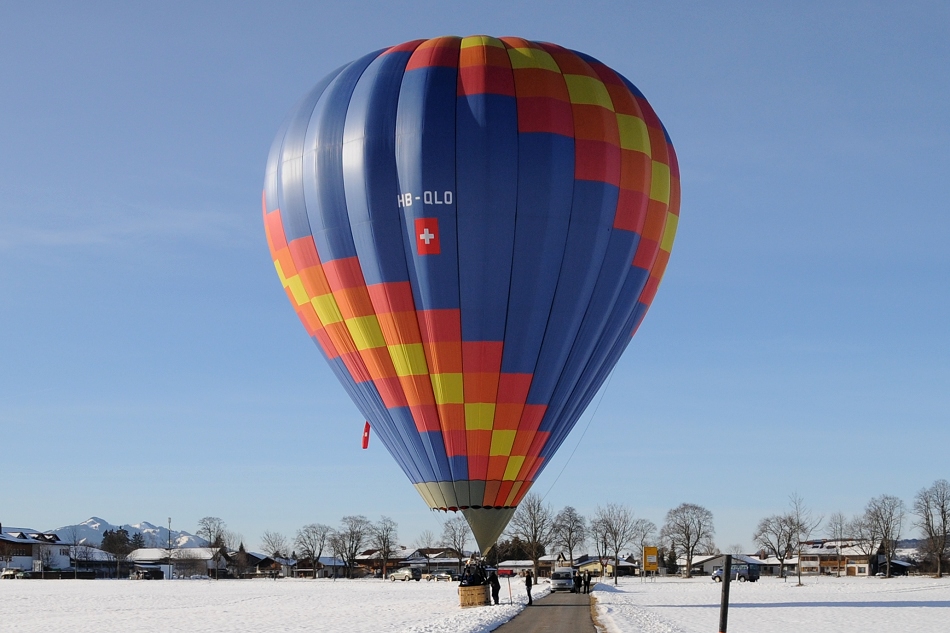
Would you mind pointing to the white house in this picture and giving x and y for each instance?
(29, 551)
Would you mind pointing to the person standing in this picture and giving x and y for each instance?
(527, 585)
(577, 582)
(495, 586)
(587, 582)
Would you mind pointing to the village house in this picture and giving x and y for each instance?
(849, 557)
(32, 552)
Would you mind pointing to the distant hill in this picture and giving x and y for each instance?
(89, 532)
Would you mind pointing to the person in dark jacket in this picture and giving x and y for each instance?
(495, 586)
(587, 582)
(527, 585)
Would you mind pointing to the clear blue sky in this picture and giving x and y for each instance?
(151, 366)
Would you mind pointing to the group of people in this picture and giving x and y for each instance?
(475, 574)
(581, 582)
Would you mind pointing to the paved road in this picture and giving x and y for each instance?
(554, 613)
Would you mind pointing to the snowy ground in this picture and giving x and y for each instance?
(668, 605)
(205, 606)
(823, 605)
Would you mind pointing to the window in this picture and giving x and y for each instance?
(862, 570)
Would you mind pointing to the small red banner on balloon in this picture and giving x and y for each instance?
(366, 435)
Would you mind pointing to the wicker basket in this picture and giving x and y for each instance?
(477, 596)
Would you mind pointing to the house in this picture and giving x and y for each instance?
(185, 561)
(33, 551)
(326, 567)
(594, 566)
(373, 561)
(519, 567)
(848, 557)
(771, 566)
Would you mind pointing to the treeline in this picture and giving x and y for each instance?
(536, 529)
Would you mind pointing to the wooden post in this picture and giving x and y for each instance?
(724, 605)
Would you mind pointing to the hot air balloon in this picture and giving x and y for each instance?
(471, 230)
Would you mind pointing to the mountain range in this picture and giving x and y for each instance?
(90, 531)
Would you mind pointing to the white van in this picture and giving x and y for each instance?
(562, 579)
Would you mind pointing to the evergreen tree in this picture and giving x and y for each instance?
(137, 541)
(117, 543)
(671, 566)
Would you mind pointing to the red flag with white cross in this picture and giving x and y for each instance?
(427, 236)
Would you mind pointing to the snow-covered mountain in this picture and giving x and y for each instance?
(89, 532)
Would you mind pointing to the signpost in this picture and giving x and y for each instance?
(651, 560)
(724, 604)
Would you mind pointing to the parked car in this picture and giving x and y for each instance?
(406, 573)
(562, 579)
(439, 574)
(741, 573)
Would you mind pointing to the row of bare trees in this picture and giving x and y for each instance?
(613, 529)
(878, 528)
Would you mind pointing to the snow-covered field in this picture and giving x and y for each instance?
(200, 606)
(668, 605)
(823, 605)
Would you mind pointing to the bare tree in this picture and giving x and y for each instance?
(533, 523)
(311, 540)
(274, 544)
(214, 530)
(597, 533)
(932, 511)
(886, 513)
(455, 534)
(383, 536)
(776, 534)
(617, 525)
(570, 531)
(338, 546)
(866, 537)
(354, 532)
(687, 528)
(804, 523)
(425, 543)
(643, 531)
(837, 530)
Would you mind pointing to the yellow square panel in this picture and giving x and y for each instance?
(409, 360)
(584, 89)
(479, 416)
(501, 442)
(532, 58)
(297, 290)
(633, 133)
(669, 232)
(327, 309)
(513, 468)
(447, 388)
(660, 187)
(481, 40)
(365, 332)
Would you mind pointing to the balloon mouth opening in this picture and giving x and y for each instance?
(459, 508)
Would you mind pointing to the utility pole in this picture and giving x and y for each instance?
(170, 568)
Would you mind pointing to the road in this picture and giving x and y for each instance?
(554, 613)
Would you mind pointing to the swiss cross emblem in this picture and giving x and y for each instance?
(427, 236)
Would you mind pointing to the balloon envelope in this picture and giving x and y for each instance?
(471, 229)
